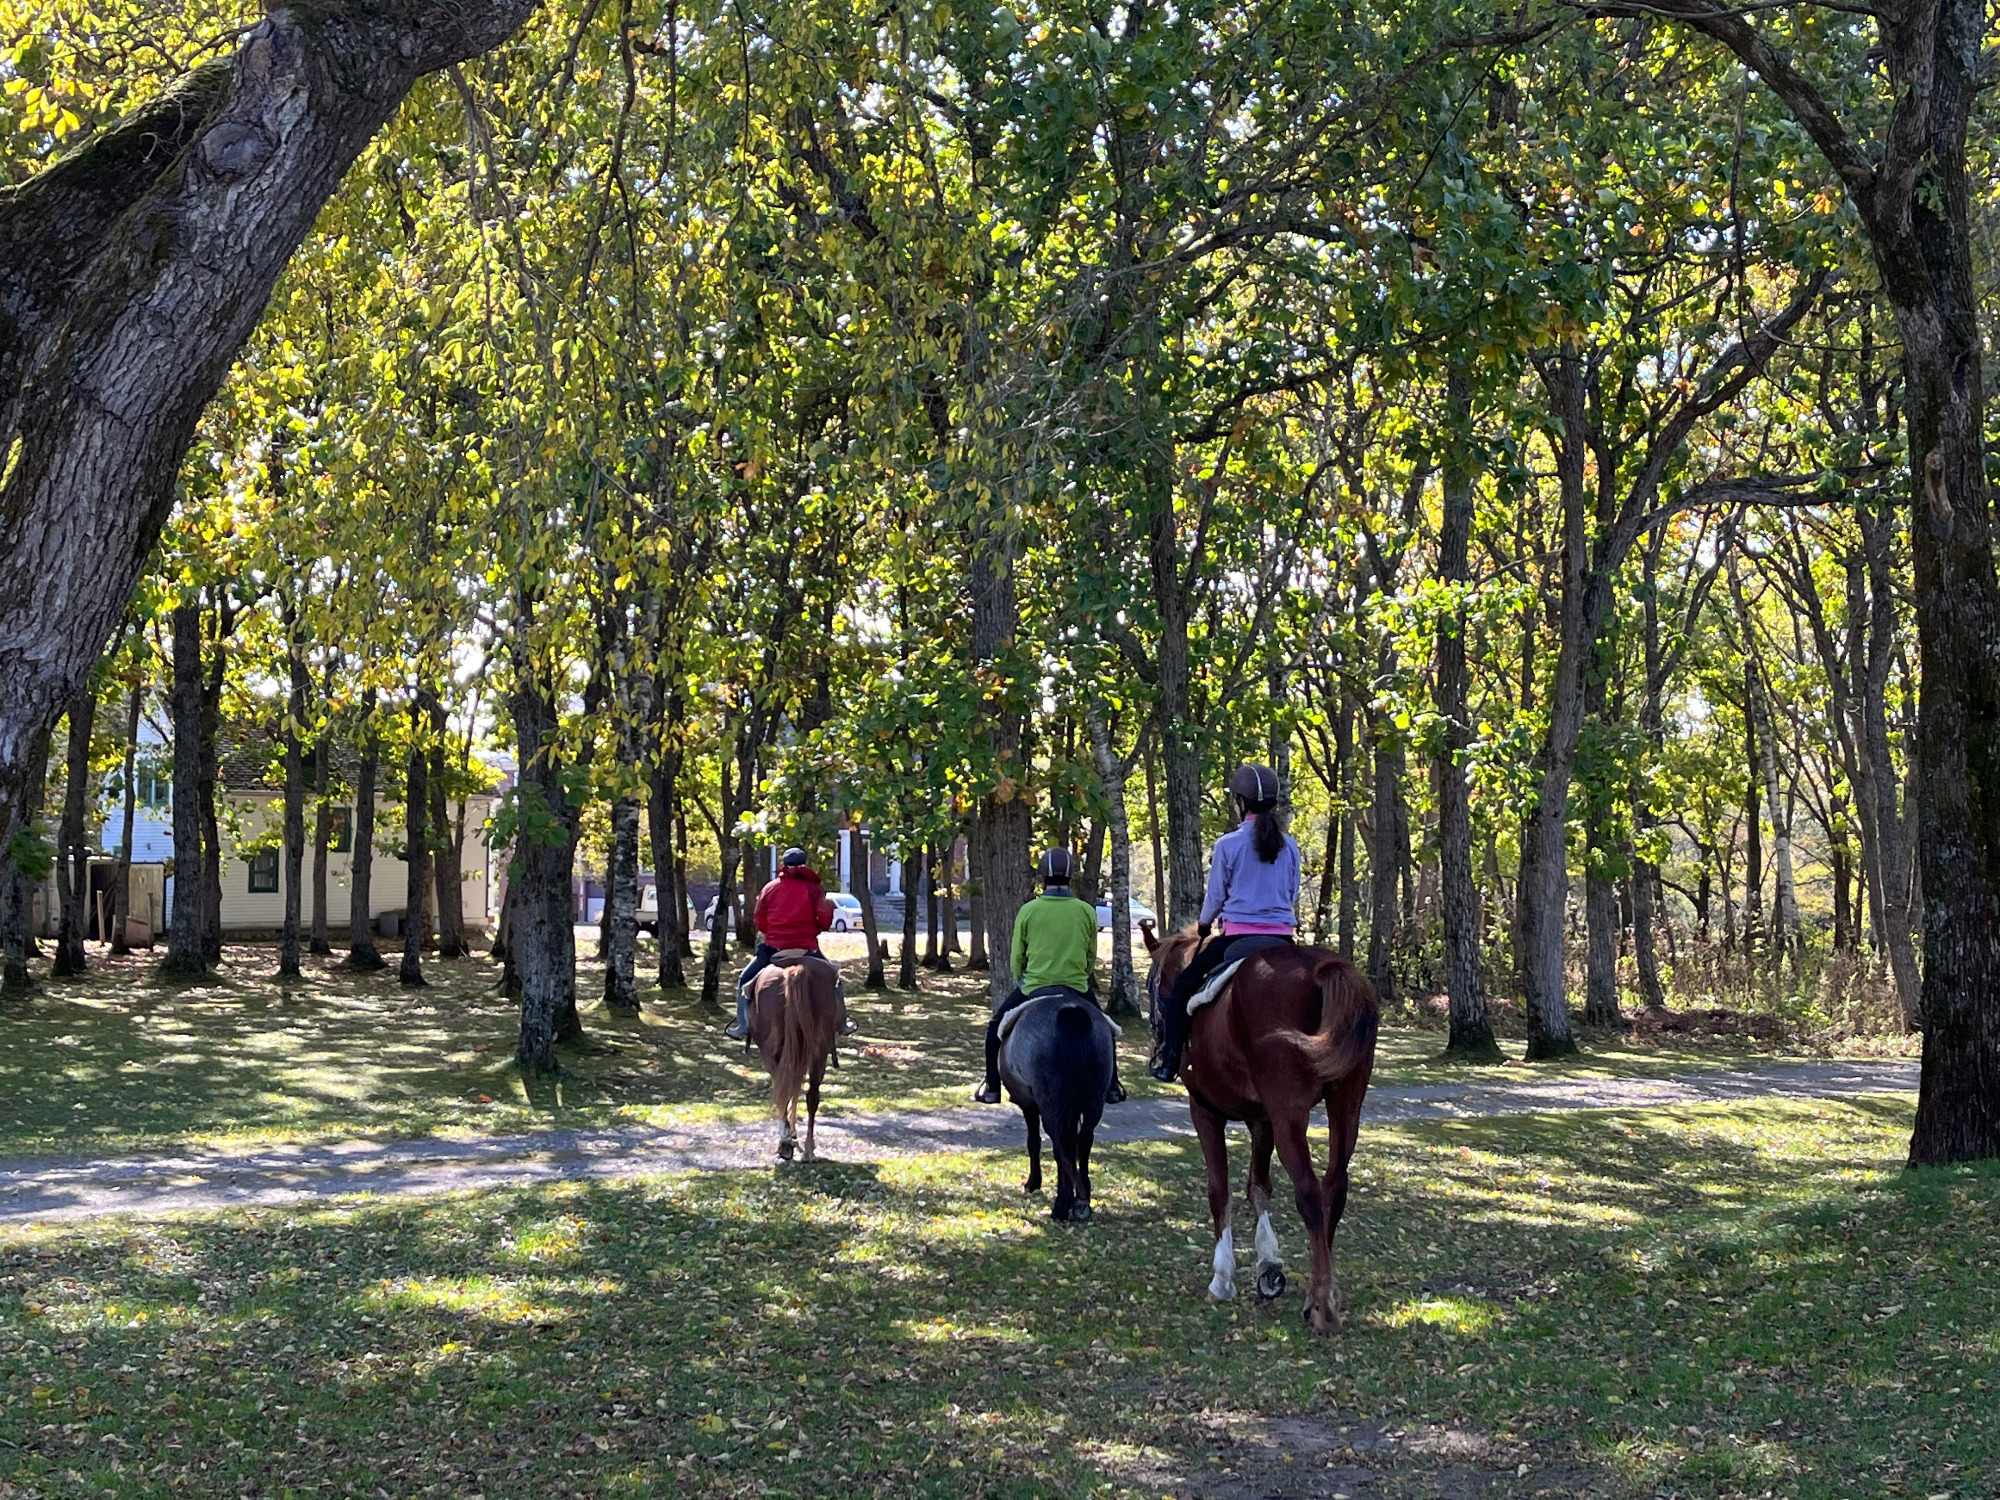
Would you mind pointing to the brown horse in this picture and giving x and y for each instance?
(793, 1014)
(1295, 1026)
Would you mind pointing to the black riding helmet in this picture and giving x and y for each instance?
(794, 857)
(1256, 787)
(1055, 867)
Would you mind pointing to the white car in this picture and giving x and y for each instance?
(846, 912)
(1142, 914)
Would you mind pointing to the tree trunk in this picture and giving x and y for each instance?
(1471, 1034)
(725, 892)
(416, 845)
(1600, 896)
(17, 890)
(1384, 869)
(1160, 908)
(1753, 822)
(906, 969)
(858, 858)
(1006, 811)
(295, 817)
(1891, 821)
(153, 248)
(185, 954)
(927, 885)
(72, 852)
(1350, 887)
(1645, 883)
(672, 904)
(322, 839)
(1124, 997)
(975, 900)
(362, 954)
(207, 784)
(121, 881)
(447, 844)
(621, 905)
(541, 934)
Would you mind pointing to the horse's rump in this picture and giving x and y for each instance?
(1348, 1018)
(805, 1025)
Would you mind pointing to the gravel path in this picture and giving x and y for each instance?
(49, 1189)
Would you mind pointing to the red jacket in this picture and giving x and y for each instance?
(793, 910)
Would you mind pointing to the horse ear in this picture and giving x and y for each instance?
(1152, 938)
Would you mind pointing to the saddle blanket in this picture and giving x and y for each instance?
(1013, 1017)
(1217, 982)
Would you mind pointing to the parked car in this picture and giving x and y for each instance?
(707, 922)
(649, 910)
(846, 911)
(1141, 914)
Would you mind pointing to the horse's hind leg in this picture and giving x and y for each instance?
(1208, 1126)
(812, 1103)
(1257, 1188)
(1343, 1121)
(1297, 1157)
(1034, 1118)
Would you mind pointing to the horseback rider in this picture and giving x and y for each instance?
(1055, 944)
(792, 911)
(1253, 889)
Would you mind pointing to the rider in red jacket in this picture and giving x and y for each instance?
(792, 911)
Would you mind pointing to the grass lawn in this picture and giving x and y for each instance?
(1713, 1301)
(118, 1060)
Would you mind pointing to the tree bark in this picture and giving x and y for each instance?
(621, 905)
(1471, 1034)
(72, 852)
(858, 858)
(416, 845)
(362, 954)
(447, 849)
(16, 889)
(1006, 811)
(295, 816)
(134, 268)
(1111, 771)
(975, 900)
(208, 782)
(322, 839)
(906, 966)
(541, 934)
(1350, 887)
(185, 955)
(1384, 867)
(672, 903)
(121, 880)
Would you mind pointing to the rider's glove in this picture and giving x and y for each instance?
(1201, 931)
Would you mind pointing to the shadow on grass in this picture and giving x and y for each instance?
(1697, 1302)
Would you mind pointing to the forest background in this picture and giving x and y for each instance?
(762, 423)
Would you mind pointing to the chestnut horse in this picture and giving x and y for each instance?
(1295, 1026)
(793, 1015)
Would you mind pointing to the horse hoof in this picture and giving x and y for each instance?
(1032, 1186)
(1079, 1213)
(784, 1151)
(1270, 1283)
(1320, 1321)
(1061, 1213)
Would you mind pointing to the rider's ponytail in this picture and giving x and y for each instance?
(1267, 837)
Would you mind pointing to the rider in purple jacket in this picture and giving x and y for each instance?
(1253, 890)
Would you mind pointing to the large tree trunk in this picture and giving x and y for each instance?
(416, 846)
(295, 818)
(72, 852)
(621, 905)
(362, 954)
(1124, 997)
(858, 858)
(1006, 812)
(121, 880)
(672, 903)
(135, 268)
(730, 850)
(1471, 1034)
(17, 891)
(184, 926)
(1180, 746)
(541, 934)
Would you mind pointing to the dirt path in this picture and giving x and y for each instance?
(49, 1189)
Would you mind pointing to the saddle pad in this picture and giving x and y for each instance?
(1214, 985)
(1013, 1017)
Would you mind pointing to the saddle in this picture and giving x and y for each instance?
(1247, 948)
(1052, 992)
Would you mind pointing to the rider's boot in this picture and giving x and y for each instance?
(1167, 1057)
(739, 1030)
(1116, 1093)
(989, 1091)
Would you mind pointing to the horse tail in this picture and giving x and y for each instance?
(1345, 1038)
(788, 1074)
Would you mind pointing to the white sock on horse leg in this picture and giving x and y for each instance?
(1223, 1287)
(1267, 1241)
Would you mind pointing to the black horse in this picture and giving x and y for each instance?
(1056, 1058)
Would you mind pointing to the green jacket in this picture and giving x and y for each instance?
(1055, 942)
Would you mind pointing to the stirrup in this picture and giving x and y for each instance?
(1165, 1065)
(986, 1093)
(736, 1033)
(1116, 1093)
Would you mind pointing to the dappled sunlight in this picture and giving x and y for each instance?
(1462, 1317)
(531, 1299)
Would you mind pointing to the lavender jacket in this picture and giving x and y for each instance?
(1246, 893)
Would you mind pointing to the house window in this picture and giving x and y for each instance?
(263, 872)
(342, 831)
